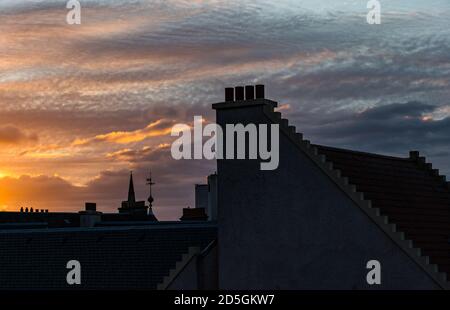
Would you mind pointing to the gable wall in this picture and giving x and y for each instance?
(293, 228)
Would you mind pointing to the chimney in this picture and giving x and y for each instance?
(90, 216)
(194, 214)
(259, 91)
(414, 155)
(239, 93)
(90, 206)
(249, 92)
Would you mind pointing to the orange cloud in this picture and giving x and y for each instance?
(146, 153)
(155, 129)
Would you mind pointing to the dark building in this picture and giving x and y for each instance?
(126, 257)
(312, 223)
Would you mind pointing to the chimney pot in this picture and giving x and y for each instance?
(249, 92)
(229, 94)
(239, 93)
(259, 91)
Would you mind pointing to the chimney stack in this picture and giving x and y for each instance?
(89, 217)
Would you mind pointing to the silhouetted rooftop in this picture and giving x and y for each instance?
(133, 257)
(406, 190)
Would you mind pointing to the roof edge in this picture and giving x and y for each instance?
(382, 222)
(343, 150)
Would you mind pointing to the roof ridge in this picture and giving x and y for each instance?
(332, 148)
(365, 205)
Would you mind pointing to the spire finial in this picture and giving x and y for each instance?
(131, 196)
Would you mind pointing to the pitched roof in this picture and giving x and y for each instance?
(406, 190)
(110, 258)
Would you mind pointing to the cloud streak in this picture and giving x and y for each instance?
(84, 105)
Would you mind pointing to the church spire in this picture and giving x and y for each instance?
(131, 196)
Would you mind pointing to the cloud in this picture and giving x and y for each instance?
(394, 129)
(155, 129)
(13, 135)
(145, 154)
(103, 95)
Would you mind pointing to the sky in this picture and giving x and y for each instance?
(82, 105)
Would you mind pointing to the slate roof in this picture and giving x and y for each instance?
(406, 190)
(110, 257)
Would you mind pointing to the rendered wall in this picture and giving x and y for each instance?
(293, 228)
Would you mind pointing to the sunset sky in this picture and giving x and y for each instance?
(82, 105)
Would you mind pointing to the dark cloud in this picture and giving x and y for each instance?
(13, 135)
(389, 129)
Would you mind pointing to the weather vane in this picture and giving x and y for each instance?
(150, 183)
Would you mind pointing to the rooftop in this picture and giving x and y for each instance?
(408, 191)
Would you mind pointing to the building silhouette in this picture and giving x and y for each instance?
(312, 223)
